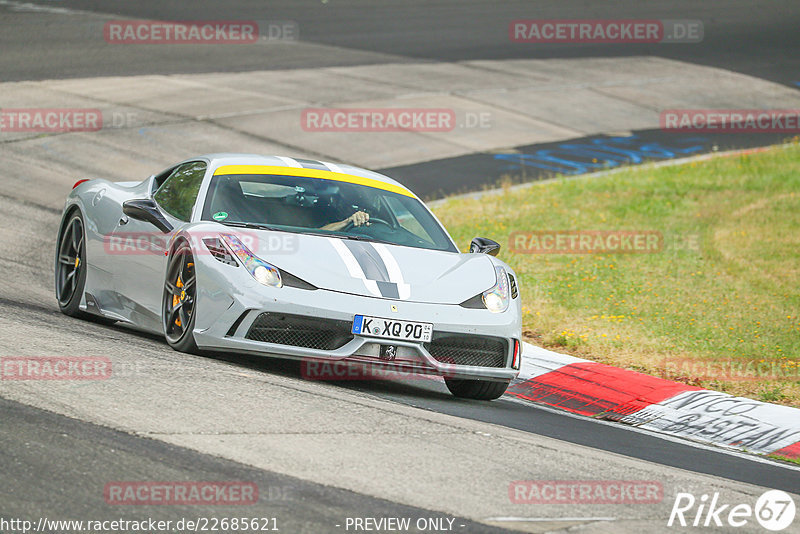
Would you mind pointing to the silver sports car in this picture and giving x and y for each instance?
(293, 258)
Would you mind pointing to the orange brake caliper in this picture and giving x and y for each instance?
(176, 299)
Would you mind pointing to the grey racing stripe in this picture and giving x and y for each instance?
(374, 268)
(369, 260)
(388, 290)
(312, 164)
(289, 162)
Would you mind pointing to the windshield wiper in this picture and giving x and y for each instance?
(359, 237)
(259, 226)
(253, 226)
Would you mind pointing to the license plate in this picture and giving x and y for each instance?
(392, 328)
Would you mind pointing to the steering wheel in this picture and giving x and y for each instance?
(350, 224)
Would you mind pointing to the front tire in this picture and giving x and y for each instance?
(476, 389)
(178, 307)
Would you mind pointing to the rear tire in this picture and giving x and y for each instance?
(71, 265)
(71, 269)
(476, 389)
(178, 307)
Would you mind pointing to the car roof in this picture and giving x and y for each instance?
(217, 161)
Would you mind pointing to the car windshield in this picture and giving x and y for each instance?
(323, 207)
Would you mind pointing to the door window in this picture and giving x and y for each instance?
(178, 194)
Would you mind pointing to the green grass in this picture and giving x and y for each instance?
(735, 298)
(784, 458)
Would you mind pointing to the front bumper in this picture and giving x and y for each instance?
(224, 320)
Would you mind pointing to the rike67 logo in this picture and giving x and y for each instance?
(774, 510)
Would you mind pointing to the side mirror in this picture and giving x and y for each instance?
(483, 245)
(145, 209)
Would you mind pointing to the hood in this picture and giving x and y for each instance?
(376, 269)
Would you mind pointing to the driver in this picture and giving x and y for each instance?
(357, 219)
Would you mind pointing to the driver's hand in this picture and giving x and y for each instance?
(359, 218)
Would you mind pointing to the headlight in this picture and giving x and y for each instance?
(496, 299)
(263, 272)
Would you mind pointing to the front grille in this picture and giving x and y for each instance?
(467, 349)
(300, 331)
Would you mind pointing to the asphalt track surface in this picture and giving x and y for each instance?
(479, 170)
(740, 36)
(756, 38)
(82, 458)
(433, 395)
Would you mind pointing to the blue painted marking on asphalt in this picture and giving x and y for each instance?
(796, 83)
(601, 153)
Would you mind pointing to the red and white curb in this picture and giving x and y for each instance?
(602, 391)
